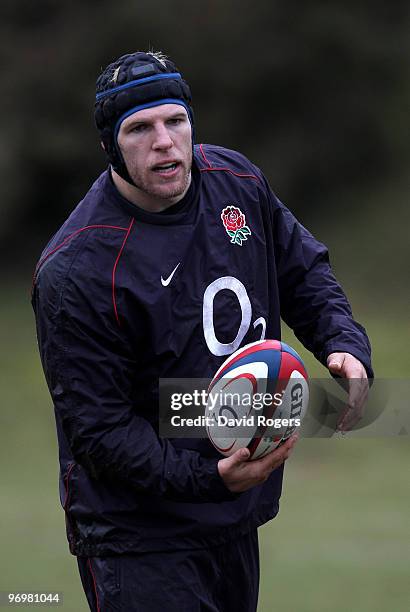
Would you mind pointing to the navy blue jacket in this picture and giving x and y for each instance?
(108, 329)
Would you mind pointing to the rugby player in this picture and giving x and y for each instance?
(178, 255)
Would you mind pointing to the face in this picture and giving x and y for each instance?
(156, 145)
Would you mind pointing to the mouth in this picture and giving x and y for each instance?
(166, 169)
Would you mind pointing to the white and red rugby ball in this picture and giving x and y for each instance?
(264, 369)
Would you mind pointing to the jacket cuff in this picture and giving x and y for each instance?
(212, 484)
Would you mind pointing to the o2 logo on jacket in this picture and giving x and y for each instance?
(232, 284)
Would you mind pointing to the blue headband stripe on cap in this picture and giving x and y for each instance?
(135, 109)
(157, 77)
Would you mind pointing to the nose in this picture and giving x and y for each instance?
(162, 138)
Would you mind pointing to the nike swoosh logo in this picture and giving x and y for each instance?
(165, 281)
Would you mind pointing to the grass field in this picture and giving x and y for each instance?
(341, 541)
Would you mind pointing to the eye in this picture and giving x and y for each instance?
(175, 121)
(139, 128)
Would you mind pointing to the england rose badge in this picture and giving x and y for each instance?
(235, 224)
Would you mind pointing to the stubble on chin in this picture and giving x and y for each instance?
(178, 191)
(163, 192)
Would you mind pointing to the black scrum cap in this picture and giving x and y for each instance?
(133, 82)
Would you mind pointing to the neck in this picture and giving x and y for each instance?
(142, 199)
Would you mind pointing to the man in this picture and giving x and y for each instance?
(142, 282)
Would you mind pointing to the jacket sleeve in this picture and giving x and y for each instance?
(89, 370)
(313, 303)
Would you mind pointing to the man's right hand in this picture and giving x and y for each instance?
(239, 474)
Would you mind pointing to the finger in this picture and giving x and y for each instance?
(260, 469)
(240, 456)
(347, 365)
(291, 442)
(357, 409)
(276, 456)
(290, 447)
(351, 418)
(285, 446)
(335, 362)
(292, 439)
(341, 420)
(358, 388)
(358, 394)
(281, 453)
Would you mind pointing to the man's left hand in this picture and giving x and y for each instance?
(347, 366)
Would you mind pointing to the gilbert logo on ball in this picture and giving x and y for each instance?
(257, 398)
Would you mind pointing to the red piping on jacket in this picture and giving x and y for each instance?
(115, 269)
(87, 227)
(252, 176)
(204, 156)
(95, 585)
(67, 485)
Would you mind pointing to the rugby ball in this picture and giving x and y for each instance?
(257, 398)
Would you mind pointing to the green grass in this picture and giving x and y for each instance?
(340, 542)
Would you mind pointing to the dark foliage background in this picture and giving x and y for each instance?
(316, 93)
